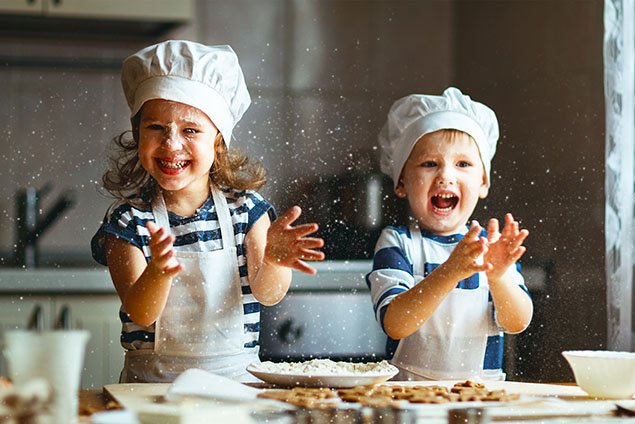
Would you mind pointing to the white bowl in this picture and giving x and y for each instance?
(603, 373)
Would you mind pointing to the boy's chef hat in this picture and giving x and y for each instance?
(416, 115)
(208, 78)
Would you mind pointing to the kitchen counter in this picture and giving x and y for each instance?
(549, 403)
(55, 280)
(331, 275)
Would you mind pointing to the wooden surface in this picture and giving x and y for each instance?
(91, 401)
(135, 394)
(545, 401)
(131, 394)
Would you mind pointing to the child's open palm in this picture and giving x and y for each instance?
(504, 248)
(162, 258)
(288, 246)
(464, 258)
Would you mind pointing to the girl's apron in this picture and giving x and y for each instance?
(451, 344)
(201, 325)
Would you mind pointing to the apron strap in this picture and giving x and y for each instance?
(224, 218)
(416, 251)
(160, 212)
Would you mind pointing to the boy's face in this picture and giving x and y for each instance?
(443, 179)
(176, 145)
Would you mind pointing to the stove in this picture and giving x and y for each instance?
(327, 315)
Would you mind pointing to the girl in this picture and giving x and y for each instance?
(191, 248)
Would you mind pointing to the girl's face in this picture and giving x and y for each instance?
(443, 179)
(176, 145)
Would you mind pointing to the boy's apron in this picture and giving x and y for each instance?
(201, 325)
(451, 343)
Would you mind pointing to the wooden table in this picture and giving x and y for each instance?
(91, 401)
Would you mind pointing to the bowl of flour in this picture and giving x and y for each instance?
(323, 373)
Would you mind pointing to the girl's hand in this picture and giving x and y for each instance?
(162, 258)
(505, 248)
(464, 258)
(288, 246)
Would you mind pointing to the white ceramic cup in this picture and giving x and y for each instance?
(57, 356)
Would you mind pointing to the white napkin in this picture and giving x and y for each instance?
(197, 382)
(120, 416)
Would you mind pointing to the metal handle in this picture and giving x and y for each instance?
(64, 319)
(36, 321)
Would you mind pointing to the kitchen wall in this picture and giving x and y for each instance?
(319, 97)
(539, 65)
(322, 75)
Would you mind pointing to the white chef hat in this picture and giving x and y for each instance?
(416, 115)
(208, 78)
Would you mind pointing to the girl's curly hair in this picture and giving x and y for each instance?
(128, 180)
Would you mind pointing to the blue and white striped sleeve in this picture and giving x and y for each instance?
(125, 222)
(392, 270)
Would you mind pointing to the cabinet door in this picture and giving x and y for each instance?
(22, 7)
(99, 314)
(15, 313)
(168, 10)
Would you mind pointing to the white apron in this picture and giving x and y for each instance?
(201, 325)
(451, 344)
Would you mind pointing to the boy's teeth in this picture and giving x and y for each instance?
(443, 209)
(444, 202)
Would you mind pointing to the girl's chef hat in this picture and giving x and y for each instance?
(416, 115)
(208, 78)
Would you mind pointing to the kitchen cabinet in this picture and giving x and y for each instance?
(146, 10)
(119, 19)
(16, 310)
(97, 313)
(26, 7)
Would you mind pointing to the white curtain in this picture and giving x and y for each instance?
(619, 86)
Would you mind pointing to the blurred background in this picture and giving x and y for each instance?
(322, 75)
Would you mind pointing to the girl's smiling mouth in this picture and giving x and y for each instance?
(444, 202)
(172, 167)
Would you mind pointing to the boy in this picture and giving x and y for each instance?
(444, 292)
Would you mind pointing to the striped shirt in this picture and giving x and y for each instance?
(392, 275)
(197, 233)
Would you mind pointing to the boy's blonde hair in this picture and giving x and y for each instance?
(129, 181)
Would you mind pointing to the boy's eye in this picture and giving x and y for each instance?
(154, 127)
(463, 164)
(428, 164)
(191, 130)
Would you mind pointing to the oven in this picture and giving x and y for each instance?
(327, 315)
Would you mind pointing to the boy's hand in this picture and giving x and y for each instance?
(288, 246)
(505, 248)
(464, 258)
(162, 258)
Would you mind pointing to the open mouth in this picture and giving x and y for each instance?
(172, 165)
(444, 202)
